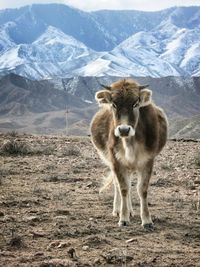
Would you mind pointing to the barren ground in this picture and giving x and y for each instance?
(51, 212)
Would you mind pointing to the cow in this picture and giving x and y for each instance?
(128, 132)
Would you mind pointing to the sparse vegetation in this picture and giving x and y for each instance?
(12, 133)
(50, 204)
(16, 242)
(14, 147)
(71, 150)
(167, 166)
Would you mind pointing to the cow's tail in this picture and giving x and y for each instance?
(107, 181)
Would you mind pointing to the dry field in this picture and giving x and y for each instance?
(51, 212)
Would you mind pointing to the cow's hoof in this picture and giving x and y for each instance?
(149, 227)
(123, 223)
(115, 213)
(131, 213)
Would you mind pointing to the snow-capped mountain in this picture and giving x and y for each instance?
(52, 54)
(44, 41)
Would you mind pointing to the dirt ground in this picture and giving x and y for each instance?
(51, 212)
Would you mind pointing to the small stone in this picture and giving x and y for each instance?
(131, 240)
(89, 185)
(85, 248)
(64, 244)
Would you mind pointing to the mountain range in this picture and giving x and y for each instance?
(60, 106)
(54, 40)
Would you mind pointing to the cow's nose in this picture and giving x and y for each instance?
(124, 130)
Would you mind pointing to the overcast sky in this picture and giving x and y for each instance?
(106, 4)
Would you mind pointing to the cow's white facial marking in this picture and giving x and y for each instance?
(124, 130)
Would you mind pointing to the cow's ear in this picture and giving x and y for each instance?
(103, 97)
(145, 97)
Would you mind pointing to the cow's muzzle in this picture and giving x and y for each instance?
(124, 131)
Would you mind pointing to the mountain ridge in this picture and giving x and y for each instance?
(44, 106)
(116, 43)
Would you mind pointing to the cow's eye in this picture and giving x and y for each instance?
(136, 104)
(114, 105)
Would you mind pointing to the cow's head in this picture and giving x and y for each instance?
(125, 98)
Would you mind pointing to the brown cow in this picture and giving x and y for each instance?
(128, 132)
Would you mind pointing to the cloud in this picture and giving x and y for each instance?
(105, 4)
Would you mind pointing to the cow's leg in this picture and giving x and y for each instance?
(142, 188)
(117, 198)
(124, 216)
(130, 200)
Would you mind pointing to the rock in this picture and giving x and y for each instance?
(131, 240)
(85, 248)
(64, 244)
(89, 184)
(58, 244)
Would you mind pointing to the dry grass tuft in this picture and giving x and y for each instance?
(14, 147)
(167, 166)
(12, 133)
(16, 241)
(71, 150)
